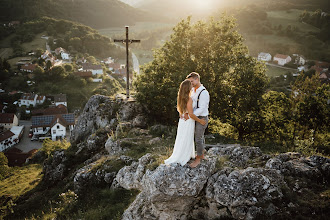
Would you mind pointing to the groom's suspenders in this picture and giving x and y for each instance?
(199, 96)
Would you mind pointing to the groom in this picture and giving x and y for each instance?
(201, 99)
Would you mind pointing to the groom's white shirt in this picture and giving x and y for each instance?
(204, 100)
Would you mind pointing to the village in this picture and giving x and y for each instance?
(41, 116)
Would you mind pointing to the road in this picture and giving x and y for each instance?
(25, 144)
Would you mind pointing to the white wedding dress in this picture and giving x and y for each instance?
(184, 147)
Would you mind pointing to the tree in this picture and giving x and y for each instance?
(216, 51)
(276, 115)
(58, 73)
(68, 67)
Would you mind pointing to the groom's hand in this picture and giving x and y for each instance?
(186, 116)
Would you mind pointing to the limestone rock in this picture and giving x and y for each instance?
(54, 170)
(238, 155)
(242, 191)
(113, 146)
(129, 177)
(296, 165)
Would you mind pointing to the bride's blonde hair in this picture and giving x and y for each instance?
(183, 96)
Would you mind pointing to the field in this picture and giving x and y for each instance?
(38, 42)
(277, 71)
(289, 17)
(13, 61)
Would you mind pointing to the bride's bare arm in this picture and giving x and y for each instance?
(191, 113)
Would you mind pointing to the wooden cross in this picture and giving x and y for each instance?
(127, 42)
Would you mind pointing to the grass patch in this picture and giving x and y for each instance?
(13, 61)
(38, 42)
(21, 180)
(273, 71)
(289, 17)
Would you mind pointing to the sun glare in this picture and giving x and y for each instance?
(203, 5)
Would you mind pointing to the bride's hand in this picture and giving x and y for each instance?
(202, 122)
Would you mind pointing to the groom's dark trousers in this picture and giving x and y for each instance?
(199, 135)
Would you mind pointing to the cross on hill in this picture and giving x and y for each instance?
(127, 42)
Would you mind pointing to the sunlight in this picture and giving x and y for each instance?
(203, 5)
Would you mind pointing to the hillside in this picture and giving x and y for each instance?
(183, 8)
(97, 13)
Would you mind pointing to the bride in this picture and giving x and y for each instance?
(184, 147)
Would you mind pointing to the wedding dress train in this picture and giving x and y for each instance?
(184, 147)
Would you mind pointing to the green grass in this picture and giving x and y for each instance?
(13, 61)
(38, 42)
(21, 180)
(289, 17)
(276, 71)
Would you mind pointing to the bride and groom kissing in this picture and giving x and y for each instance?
(192, 104)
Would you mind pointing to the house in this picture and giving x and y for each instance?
(81, 60)
(13, 23)
(301, 68)
(114, 66)
(299, 59)
(86, 74)
(54, 110)
(264, 57)
(282, 59)
(17, 158)
(28, 99)
(8, 120)
(96, 69)
(109, 60)
(41, 99)
(45, 55)
(65, 55)
(59, 50)
(7, 139)
(28, 67)
(54, 126)
(18, 131)
(60, 99)
(325, 76)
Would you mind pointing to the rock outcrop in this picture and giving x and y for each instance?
(232, 189)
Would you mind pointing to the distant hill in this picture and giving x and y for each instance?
(183, 8)
(96, 13)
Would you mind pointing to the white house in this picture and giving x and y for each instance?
(109, 60)
(96, 69)
(58, 129)
(264, 57)
(299, 59)
(8, 120)
(282, 59)
(18, 131)
(54, 126)
(28, 99)
(65, 55)
(41, 99)
(60, 99)
(301, 68)
(7, 139)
